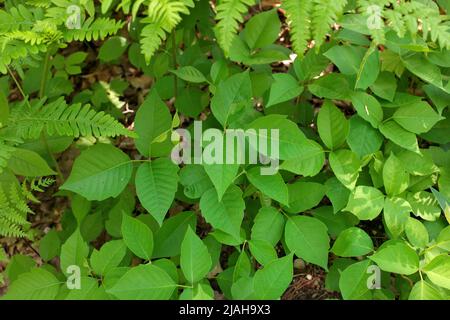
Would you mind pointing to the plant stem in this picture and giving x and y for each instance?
(43, 136)
(174, 62)
(44, 75)
(19, 87)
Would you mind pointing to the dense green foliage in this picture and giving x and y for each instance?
(358, 89)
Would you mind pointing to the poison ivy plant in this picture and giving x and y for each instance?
(125, 120)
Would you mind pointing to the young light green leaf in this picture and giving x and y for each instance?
(396, 256)
(74, 252)
(152, 120)
(263, 251)
(284, 88)
(399, 136)
(363, 139)
(137, 236)
(271, 185)
(353, 281)
(418, 117)
(156, 184)
(438, 270)
(417, 233)
(268, 225)
(396, 214)
(367, 108)
(346, 166)
(38, 284)
(100, 172)
(308, 238)
(226, 214)
(352, 242)
(29, 164)
(395, 177)
(304, 196)
(195, 260)
(365, 202)
(144, 282)
(332, 125)
(108, 257)
(271, 281)
(190, 74)
(221, 175)
(422, 290)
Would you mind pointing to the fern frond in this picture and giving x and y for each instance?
(298, 14)
(324, 14)
(163, 17)
(58, 118)
(94, 29)
(229, 15)
(13, 213)
(5, 154)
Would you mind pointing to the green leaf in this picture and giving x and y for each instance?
(112, 49)
(424, 205)
(262, 29)
(74, 251)
(283, 89)
(144, 282)
(100, 172)
(156, 185)
(337, 193)
(308, 238)
(226, 214)
(268, 225)
(422, 290)
(353, 281)
(4, 109)
(332, 125)
(369, 69)
(346, 57)
(108, 257)
(137, 236)
(273, 186)
(28, 163)
(195, 259)
(395, 177)
(221, 175)
(272, 281)
(190, 74)
(367, 108)
(38, 284)
(424, 69)
(230, 96)
(262, 251)
(304, 196)
(346, 166)
(195, 180)
(417, 233)
(418, 117)
(438, 270)
(396, 214)
(290, 138)
(352, 242)
(49, 246)
(169, 237)
(152, 120)
(365, 202)
(363, 139)
(385, 86)
(331, 86)
(397, 257)
(308, 162)
(399, 136)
